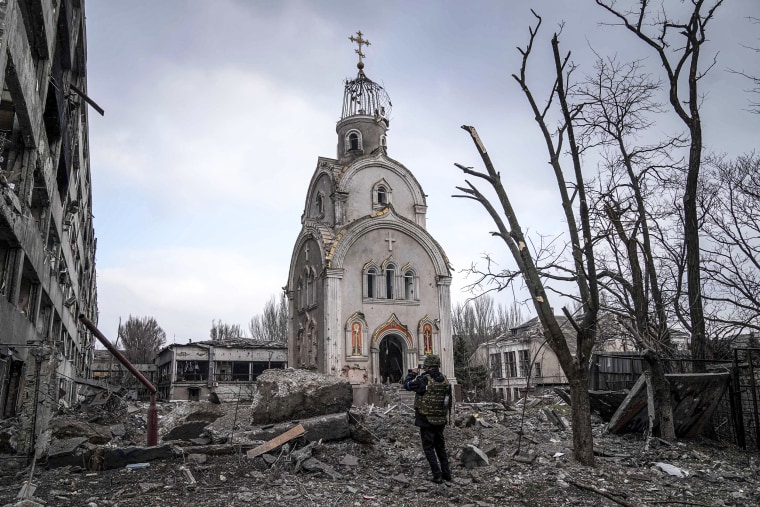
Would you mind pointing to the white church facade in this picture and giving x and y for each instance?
(368, 286)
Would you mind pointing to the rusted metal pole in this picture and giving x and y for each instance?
(152, 412)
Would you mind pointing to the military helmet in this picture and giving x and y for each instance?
(432, 360)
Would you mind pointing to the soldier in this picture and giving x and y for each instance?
(431, 404)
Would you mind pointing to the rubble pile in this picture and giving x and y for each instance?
(502, 455)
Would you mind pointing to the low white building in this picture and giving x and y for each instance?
(521, 359)
(229, 368)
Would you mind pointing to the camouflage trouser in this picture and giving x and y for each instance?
(434, 447)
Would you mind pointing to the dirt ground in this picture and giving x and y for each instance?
(391, 469)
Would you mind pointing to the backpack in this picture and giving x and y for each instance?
(435, 402)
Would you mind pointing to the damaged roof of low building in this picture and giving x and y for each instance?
(230, 343)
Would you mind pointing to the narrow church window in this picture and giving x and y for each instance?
(370, 283)
(409, 285)
(353, 141)
(390, 275)
(382, 195)
(299, 294)
(320, 205)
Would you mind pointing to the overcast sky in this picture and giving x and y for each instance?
(217, 111)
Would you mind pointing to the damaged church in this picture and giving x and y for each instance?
(368, 286)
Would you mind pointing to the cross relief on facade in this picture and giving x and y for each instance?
(390, 241)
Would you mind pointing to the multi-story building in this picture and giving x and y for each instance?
(47, 240)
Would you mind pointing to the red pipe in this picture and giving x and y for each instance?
(152, 412)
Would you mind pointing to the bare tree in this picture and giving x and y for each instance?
(731, 262)
(618, 103)
(142, 338)
(678, 45)
(221, 331)
(537, 274)
(272, 325)
(753, 78)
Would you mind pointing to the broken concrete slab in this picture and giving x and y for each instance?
(325, 428)
(296, 394)
(119, 458)
(67, 452)
(472, 457)
(349, 460)
(314, 465)
(694, 397)
(188, 431)
(65, 427)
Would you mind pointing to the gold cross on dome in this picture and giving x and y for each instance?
(360, 42)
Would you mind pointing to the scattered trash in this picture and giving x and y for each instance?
(137, 466)
(672, 470)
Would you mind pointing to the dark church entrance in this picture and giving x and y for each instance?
(391, 359)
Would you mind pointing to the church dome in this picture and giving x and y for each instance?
(366, 113)
(364, 97)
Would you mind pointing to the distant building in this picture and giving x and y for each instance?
(511, 355)
(47, 239)
(229, 368)
(108, 371)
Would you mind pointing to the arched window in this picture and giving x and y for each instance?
(320, 202)
(390, 275)
(299, 294)
(353, 141)
(382, 195)
(409, 292)
(370, 283)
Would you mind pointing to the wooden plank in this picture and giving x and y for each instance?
(277, 441)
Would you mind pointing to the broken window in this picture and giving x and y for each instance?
(537, 370)
(524, 362)
(192, 370)
(381, 195)
(511, 364)
(496, 365)
(354, 141)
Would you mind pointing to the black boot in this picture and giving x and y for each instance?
(438, 478)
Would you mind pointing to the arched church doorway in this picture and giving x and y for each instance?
(391, 359)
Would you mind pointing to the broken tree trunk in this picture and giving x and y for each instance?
(662, 396)
(650, 407)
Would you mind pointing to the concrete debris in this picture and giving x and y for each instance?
(294, 394)
(472, 457)
(349, 460)
(189, 477)
(379, 461)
